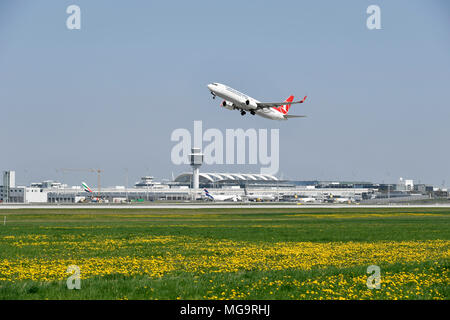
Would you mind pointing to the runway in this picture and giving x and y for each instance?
(213, 206)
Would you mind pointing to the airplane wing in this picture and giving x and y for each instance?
(262, 105)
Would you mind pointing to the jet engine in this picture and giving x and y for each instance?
(227, 104)
(251, 104)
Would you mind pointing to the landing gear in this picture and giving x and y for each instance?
(213, 95)
(243, 113)
(252, 112)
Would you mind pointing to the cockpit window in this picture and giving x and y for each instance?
(214, 84)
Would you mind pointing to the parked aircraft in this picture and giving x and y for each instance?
(258, 197)
(221, 197)
(306, 200)
(92, 197)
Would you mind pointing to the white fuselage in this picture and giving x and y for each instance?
(342, 200)
(238, 100)
(260, 197)
(225, 198)
(305, 200)
(222, 197)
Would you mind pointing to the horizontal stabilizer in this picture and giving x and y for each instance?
(287, 116)
(262, 105)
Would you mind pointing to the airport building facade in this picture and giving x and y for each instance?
(221, 180)
(10, 193)
(238, 184)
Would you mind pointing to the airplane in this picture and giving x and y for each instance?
(91, 193)
(332, 199)
(258, 197)
(221, 197)
(307, 199)
(343, 200)
(235, 100)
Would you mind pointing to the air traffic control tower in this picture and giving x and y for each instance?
(196, 159)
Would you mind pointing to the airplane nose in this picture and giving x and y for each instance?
(210, 86)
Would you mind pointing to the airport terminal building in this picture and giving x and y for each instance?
(221, 180)
(237, 184)
(10, 193)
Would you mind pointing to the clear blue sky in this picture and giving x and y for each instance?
(109, 95)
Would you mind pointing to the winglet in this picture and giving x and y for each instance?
(303, 100)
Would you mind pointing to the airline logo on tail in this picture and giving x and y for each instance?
(284, 109)
(86, 187)
(208, 195)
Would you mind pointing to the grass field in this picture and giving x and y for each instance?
(225, 253)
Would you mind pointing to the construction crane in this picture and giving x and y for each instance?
(99, 171)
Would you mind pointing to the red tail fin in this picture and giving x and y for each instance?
(284, 109)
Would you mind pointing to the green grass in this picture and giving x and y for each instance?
(265, 227)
